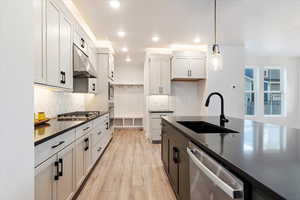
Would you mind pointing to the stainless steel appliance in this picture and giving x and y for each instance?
(111, 110)
(84, 73)
(82, 65)
(209, 180)
(110, 91)
(78, 116)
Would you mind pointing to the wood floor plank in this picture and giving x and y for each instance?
(130, 169)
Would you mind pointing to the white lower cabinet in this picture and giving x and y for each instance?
(66, 182)
(83, 158)
(155, 125)
(45, 185)
(55, 178)
(63, 162)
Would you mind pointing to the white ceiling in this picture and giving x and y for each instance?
(264, 26)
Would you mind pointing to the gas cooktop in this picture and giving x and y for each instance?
(78, 116)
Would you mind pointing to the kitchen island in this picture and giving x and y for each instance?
(266, 157)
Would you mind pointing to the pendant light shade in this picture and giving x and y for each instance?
(216, 60)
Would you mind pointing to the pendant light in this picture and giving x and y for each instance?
(216, 62)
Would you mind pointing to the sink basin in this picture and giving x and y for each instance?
(204, 127)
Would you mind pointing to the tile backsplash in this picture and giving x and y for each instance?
(54, 102)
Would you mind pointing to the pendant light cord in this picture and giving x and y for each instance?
(215, 21)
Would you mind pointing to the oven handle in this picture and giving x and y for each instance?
(233, 193)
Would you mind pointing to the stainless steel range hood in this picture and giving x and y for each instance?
(83, 68)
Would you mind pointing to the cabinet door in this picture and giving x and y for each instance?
(66, 68)
(111, 67)
(173, 165)
(66, 182)
(38, 42)
(180, 68)
(197, 68)
(165, 78)
(165, 150)
(184, 178)
(52, 40)
(155, 74)
(45, 185)
(88, 154)
(93, 85)
(80, 152)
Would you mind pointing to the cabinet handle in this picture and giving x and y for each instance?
(99, 149)
(86, 128)
(190, 72)
(175, 155)
(63, 77)
(87, 144)
(82, 43)
(94, 86)
(61, 162)
(56, 177)
(107, 126)
(60, 143)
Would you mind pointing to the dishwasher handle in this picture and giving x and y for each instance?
(233, 193)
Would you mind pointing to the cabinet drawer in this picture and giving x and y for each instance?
(96, 151)
(84, 129)
(98, 121)
(97, 135)
(155, 124)
(45, 150)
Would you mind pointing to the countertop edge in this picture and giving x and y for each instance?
(41, 141)
(235, 169)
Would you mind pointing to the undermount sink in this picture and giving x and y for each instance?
(204, 127)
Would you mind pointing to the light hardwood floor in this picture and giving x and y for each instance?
(130, 169)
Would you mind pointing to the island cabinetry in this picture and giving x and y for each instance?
(175, 160)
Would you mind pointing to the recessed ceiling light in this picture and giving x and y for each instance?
(155, 38)
(114, 3)
(121, 34)
(124, 49)
(197, 40)
(128, 59)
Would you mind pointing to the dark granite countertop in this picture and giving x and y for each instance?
(56, 127)
(267, 154)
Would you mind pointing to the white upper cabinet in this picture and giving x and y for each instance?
(188, 68)
(81, 41)
(66, 68)
(159, 75)
(52, 44)
(39, 73)
(111, 67)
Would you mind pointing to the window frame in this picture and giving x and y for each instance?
(282, 91)
(255, 91)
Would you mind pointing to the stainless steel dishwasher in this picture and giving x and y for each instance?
(209, 180)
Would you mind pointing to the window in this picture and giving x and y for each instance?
(273, 95)
(250, 91)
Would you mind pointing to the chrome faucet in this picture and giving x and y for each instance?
(223, 119)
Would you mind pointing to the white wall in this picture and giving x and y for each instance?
(291, 68)
(222, 81)
(53, 102)
(16, 102)
(186, 97)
